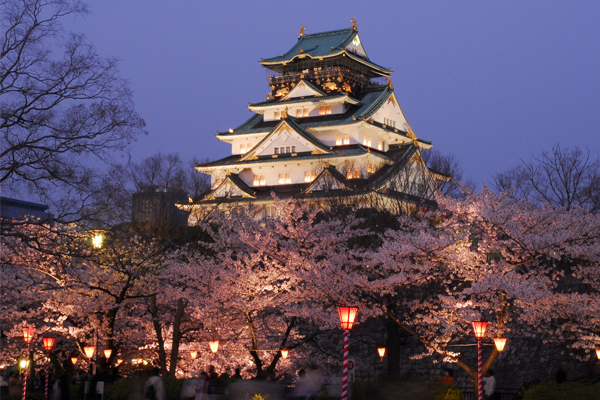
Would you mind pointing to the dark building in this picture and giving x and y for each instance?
(19, 210)
(156, 204)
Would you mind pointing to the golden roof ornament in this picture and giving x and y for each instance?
(390, 82)
(301, 31)
(353, 20)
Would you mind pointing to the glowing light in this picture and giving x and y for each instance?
(119, 361)
(28, 334)
(381, 352)
(479, 328)
(598, 353)
(24, 364)
(347, 317)
(89, 351)
(74, 360)
(97, 240)
(214, 345)
(230, 130)
(194, 354)
(107, 353)
(500, 343)
(48, 343)
(284, 353)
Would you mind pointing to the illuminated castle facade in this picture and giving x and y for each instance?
(330, 131)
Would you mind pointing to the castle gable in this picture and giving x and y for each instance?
(303, 89)
(232, 186)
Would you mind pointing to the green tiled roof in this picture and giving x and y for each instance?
(369, 104)
(297, 100)
(324, 44)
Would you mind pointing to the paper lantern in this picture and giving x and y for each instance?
(479, 328)
(284, 353)
(381, 352)
(214, 345)
(107, 353)
(500, 343)
(74, 360)
(48, 343)
(89, 351)
(347, 317)
(28, 334)
(194, 354)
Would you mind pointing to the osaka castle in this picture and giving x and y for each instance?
(330, 132)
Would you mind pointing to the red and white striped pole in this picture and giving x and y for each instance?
(27, 336)
(479, 374)
(47, 375)
(25, 375)
(345, 365)
(347, 317)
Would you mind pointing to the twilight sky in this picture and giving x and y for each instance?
(489, 81)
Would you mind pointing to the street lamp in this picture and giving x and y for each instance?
(193, 354)
(381, 352)
(48, 344)
(284, 353)
(500, 343)
(97, 240)
(74, 360)
(27, 337)
(479, 328)
(107, 354)
(214, 347)
(347, 317)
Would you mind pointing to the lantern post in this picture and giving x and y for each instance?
(214, 347)
(479, 328)
(347, 317)
(381, 352)
(48, 344)
(27, 337)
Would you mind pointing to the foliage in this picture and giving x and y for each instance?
(563, 391)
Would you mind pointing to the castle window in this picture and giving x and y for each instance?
(242, 148)
(310, 176)
(298, 113)
(370, 168)
(328, 110)
(346, 139)
(353, 173)
(285, 178)
(305, 114)
(277, 115)
(271, 212)
(322, 110)
(380, 145)
(276, 150)
(338, 140)
(259, 180)
(367, 141)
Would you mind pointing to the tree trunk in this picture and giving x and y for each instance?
(162, 356)
(181, 305)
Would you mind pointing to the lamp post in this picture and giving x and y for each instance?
(479, 328)
(381, 352)
(347, 317)
(214, 347)
(27, 337)
(48, 344)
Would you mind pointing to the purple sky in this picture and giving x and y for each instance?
(488, 81)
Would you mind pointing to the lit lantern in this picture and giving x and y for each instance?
(347, 317)
(28, 334)
(74, 360)
(107, 353)
(119, 361)
(381, 352)
(89, 351)
(194, 354)
(284, 353)
(598, 353)
(500, 343)
(97, 240)
(24, 364)
(214, 345)
(48, 343)
(479, 328)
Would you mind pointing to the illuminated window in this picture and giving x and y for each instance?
(346, 139)
(242, 148)
(353, 173)
(322, 110)
(310, 176)
(380, 145)
(370, 168)
(305, 114)
(328, 110)
(367, 141)
(259, 180)
(281, 178)
(248, 146)
(288, 178)
(277, 115)
(338, 140)
(298, 113)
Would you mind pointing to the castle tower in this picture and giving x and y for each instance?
(331, 128)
